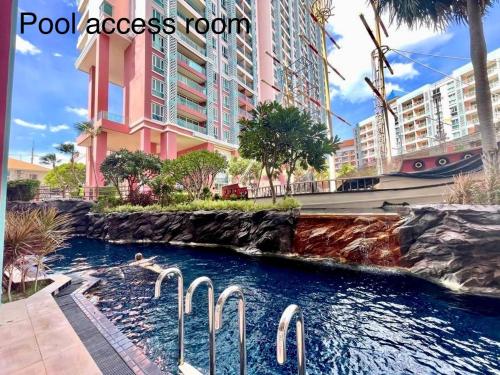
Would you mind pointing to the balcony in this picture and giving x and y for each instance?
(191, 88)
(193, 66)
(185, 39)
(191, 126)
(191, 108)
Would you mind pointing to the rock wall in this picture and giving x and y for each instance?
(458, 246)
(77, 209)
(367, 239)
(266, 231)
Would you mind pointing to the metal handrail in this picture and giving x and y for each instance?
(287, 316)
(174, 271)
(189, 308)
(238, 292)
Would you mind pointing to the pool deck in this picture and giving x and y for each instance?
(36, 337)
(59, 331)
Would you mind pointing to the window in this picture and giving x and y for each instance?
(226, 135)
(225, 84)
(158, 64)
(214, 9)
(224, 37)
(216, 132)
(214, 43)
(157, 88)
(216, 114)
(156, 112)
(159, 2)
(226, 101)
(226, 68)
(157, 15)
(224, 51)
(226, 118)
(158, 43)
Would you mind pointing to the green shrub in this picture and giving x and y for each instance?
(210, 205)
(22, 190)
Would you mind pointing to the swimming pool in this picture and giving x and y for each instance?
(356, 322)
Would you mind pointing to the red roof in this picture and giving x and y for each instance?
(347, 143)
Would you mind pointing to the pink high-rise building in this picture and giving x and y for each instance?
(186, 91)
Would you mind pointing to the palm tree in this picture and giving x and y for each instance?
(439, 14)
(50, 159)
(87, 127)
(70, 149)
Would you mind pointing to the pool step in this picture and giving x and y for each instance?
(187, 369)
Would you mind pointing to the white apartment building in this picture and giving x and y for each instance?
(444, 110)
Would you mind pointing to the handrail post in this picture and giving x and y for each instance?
(189, 309)
(287, 316)
(237, 291)
(173, 271)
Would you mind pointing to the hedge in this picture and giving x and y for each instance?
(22, 190)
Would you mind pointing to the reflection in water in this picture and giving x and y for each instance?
(356, 323)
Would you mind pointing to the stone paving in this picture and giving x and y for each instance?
(36, 337)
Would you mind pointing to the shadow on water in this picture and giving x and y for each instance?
(356, 322)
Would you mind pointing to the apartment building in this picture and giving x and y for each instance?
(427, 116)
(186, 91)
(347, 154)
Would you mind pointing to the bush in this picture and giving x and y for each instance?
(209, 205)
(105, 202)
(22, 190)
(141, 199)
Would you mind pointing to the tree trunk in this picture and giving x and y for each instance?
(271, 185)
(479, 59)
(288, 184)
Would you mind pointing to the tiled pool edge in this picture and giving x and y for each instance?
(135, 359)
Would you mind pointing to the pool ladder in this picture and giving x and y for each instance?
(215, 312)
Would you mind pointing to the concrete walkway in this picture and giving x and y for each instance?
(36, 338)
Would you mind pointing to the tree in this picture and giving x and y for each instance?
(259, 141)
(136, 168)
(87, 128)
(70, 150)
(439, 14)
(66, 176)
(244, 171)
(302, 141)
(346, 171)
(195, 171)
(50, 159)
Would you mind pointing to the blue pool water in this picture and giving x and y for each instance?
(356, 322)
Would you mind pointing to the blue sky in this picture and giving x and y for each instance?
(50, 95)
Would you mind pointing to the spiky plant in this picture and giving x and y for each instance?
(439, 14)
(29, 236)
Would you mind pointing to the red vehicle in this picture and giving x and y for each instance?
(232, 191)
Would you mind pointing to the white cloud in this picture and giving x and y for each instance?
(404, 71)
(30, 125)
(82, 112)
(25, 47)
(353, 60)
(58, 128)
(56, 54)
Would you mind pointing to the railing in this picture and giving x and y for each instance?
(188, 125)
(215, 312)
(192, 84)
(192, 64)
(192, 44)
(192, 105)
(115, 117)
(319, 187)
